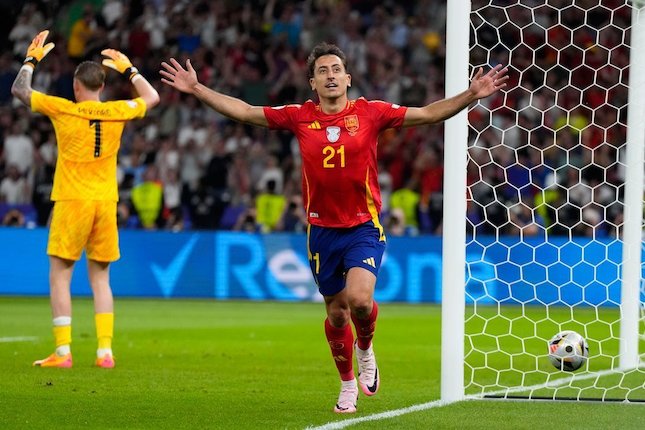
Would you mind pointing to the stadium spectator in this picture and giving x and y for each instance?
(156, 24)
(19, 149)
(14, 218)
(85, 187)
(173, 213)
(111, 11)
(202, 206)
(337, 138)
(235, 42)
(80, 34)
(429, 170)
(167, 158)
(294, 217)
(271, 173)
(238, 179)
(385, 184)
(14, 189)
(21, 34)
(7, 75)
(147, 199)
(524, 221)
(395, 222)
(247, 221)
(269, 207)
(407, 201)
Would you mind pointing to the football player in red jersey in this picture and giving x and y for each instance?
(341, 196)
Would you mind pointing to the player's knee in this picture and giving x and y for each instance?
(362, 307)
(339, 317)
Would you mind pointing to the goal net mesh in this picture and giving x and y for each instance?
(545, 199)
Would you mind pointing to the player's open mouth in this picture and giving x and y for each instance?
(331, 85)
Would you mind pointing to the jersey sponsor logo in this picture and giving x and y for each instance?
(370, 262)
(333, 134)
(395, 106)
(313, 215)
(314, 125)
(351, 124)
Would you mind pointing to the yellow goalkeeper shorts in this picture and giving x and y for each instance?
(89, 225)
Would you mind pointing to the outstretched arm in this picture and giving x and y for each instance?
(21, 88)
(185, 80)
(480, 87)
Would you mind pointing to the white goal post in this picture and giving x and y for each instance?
(454, 206)
(543, 200)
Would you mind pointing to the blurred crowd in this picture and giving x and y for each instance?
(544, 155)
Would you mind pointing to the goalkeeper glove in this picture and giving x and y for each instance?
(119, 62)
(36, 50)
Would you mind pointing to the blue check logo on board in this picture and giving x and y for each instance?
(168, 277)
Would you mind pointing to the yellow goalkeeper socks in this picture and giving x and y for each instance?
(104, 332)
(62, 335)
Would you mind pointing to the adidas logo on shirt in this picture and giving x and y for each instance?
(314, 125)
(370, 262)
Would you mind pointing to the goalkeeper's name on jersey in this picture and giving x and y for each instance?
(100, 112)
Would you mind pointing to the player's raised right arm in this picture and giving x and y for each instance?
(185, 80)
(121, 63)
(21, 88)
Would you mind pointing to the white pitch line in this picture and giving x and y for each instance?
(334, 425)
(18, 339)
(388, 414)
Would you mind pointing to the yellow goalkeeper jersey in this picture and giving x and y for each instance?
(88, 135)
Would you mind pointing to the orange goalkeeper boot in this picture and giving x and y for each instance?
(54, 360)
(105, 362)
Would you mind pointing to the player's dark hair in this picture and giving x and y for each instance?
(321, 49)
(90, 74)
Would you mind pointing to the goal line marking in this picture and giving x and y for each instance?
(334, 425)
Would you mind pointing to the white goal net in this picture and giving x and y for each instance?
(546, 200)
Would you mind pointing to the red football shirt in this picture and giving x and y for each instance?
(339, 169)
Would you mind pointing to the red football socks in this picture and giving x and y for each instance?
(341, 342)
(365, 328)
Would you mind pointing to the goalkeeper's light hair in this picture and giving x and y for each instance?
(90, 74)
(321, 49)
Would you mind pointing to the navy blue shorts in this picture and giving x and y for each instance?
(333, 251)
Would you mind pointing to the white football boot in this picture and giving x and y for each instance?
(347, 398)
(368, 377)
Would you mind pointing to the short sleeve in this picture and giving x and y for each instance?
(282, 117)
(48, 105)
(129, 109)
(387, 115)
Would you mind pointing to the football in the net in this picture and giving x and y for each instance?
(568, 350)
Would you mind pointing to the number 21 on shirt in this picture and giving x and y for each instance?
(333, 157)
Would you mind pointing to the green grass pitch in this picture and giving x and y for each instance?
(201, 364)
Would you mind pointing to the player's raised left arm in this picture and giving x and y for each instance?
(482, 85)
(21, 88)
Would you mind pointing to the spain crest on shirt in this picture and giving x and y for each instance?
(351, 124)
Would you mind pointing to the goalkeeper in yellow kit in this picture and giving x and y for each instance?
(88, 135)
